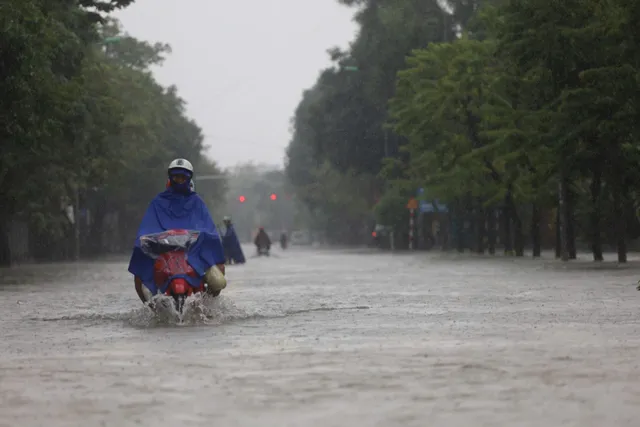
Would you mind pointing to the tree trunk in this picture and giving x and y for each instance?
(558, 245)
(571, 225)
(459, 226)
(518, 235)
(5, 250)
(459, 238)
(446, 233)
(596, 213)
(563, 213)
(491, 230)
(621, 222)
(480, 227)
(535, 231)
(506, 230)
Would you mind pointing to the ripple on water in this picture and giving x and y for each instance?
(198, 310)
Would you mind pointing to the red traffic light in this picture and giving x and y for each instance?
(242, 199)
(273, 196)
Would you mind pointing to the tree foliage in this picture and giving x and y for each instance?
(339, 138)
(83, 123)
(528, 107)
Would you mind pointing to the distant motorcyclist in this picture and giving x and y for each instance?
(179, 207)
(262, 240)
(232, 249)
(283, 240)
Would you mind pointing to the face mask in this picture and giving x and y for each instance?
(185, 187)
(181, 188)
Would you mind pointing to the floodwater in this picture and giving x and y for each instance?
(319, 338)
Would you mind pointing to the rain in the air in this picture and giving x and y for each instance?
(319, 213)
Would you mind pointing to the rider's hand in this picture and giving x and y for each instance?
(221, 267)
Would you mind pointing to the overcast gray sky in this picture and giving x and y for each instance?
(242, 65)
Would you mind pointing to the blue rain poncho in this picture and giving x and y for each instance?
(232, 248)
(172, 210)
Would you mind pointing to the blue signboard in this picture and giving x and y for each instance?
(432, 206)
(429, 206)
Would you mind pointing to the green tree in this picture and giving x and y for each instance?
(85, 124)
(41, 56)
(339, 128)
(538, 114)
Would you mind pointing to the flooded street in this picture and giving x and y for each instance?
(318, 338)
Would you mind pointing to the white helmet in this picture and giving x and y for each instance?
(181, 164)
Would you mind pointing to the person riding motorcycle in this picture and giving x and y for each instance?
(232, 249)
(262, 240)
(180, 207)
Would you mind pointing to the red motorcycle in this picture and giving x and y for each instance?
(173, 275)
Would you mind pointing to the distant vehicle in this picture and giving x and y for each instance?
(301, 238)
(262, 242)
(380, 236)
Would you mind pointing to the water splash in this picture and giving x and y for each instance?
(199, 310)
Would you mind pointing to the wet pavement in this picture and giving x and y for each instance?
(319, 338)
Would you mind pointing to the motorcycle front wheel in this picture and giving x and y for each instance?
(178, 302)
